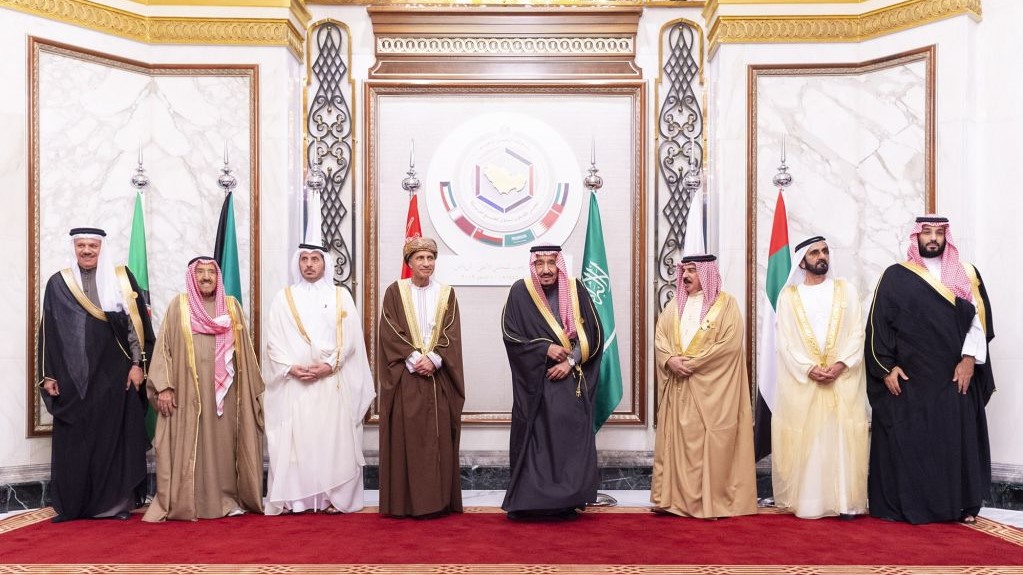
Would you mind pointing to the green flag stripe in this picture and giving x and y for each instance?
(596, 279)
(226, 250)
(778, 266)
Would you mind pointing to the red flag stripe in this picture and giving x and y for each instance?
(780, 228)
(412, 230)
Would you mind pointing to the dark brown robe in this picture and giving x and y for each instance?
(420, 417)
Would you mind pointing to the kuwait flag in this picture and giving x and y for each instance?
(225, 250)
(412, 230)
(779, 263)
(596, 279)
(138, 263)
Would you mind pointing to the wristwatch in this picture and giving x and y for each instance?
(571, 361)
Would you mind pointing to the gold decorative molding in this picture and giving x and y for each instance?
(471, 4)
(834, 28)
(494, 46)
(166, 29)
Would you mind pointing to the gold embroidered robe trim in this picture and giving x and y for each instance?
(132, 307)
(971, 272)
(301, 327)
(82, 299)
(540, 302)
(931, 280)
(405, 289)
(826, 357)
(697, 343)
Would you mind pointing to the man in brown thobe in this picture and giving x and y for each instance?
(422, 391)
(703, 450)
(205, 383)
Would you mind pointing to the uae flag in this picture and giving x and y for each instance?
(138, 263)
(779, 263)
(412, 230)
(597, 281)
(225, 251)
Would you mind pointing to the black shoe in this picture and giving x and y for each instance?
(516, 515)
(58, 519)
(122, 516)
(848, 516)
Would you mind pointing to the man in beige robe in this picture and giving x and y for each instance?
(205, 383)
(819, 425)
(703, 451)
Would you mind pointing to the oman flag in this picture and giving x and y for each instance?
(412, 230)
(779, 263)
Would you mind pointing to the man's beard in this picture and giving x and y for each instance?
(924, 252)
(818, 269)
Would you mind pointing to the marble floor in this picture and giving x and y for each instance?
(637, 498)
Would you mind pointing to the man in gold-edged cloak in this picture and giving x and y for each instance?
(206, 385)
(819, 424)
(703, 450)
(422, 391)
(554, 343)
(94, 344)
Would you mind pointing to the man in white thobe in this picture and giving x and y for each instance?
(318, 388)
(819, 428)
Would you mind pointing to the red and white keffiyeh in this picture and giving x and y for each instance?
(218, 326)
(710, 282)
(953, 275)
(564, 304)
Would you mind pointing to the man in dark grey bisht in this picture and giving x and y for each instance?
(554, 343)
(94, 342)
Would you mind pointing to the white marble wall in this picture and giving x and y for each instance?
(177, 164)
(93, 116)
(855, 146)
(978, 120)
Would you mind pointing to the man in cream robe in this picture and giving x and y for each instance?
(205, 383)
(703, 450)
(819, 429)
(318, 388)
(422, 391)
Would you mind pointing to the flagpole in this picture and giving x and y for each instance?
(411, 185)
(692, 182)
(315, 181)
(779, 264)
(138, 263)
(225, 248)
(596, 280)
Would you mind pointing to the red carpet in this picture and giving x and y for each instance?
(597, 539)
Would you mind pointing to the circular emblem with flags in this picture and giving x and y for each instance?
(503, 180)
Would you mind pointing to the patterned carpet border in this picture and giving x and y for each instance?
(26, 519)
(507, 569)
(992, 528)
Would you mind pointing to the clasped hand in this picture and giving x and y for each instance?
(425, 366)
(677, 364)
(560, 369)
(826, 375)
(310, 373)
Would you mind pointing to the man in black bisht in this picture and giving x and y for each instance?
(554, 343)
(928, 381)
(94, 341)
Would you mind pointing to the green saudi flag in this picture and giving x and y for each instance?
(597, 281)
(225, 251)
(138, 263)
